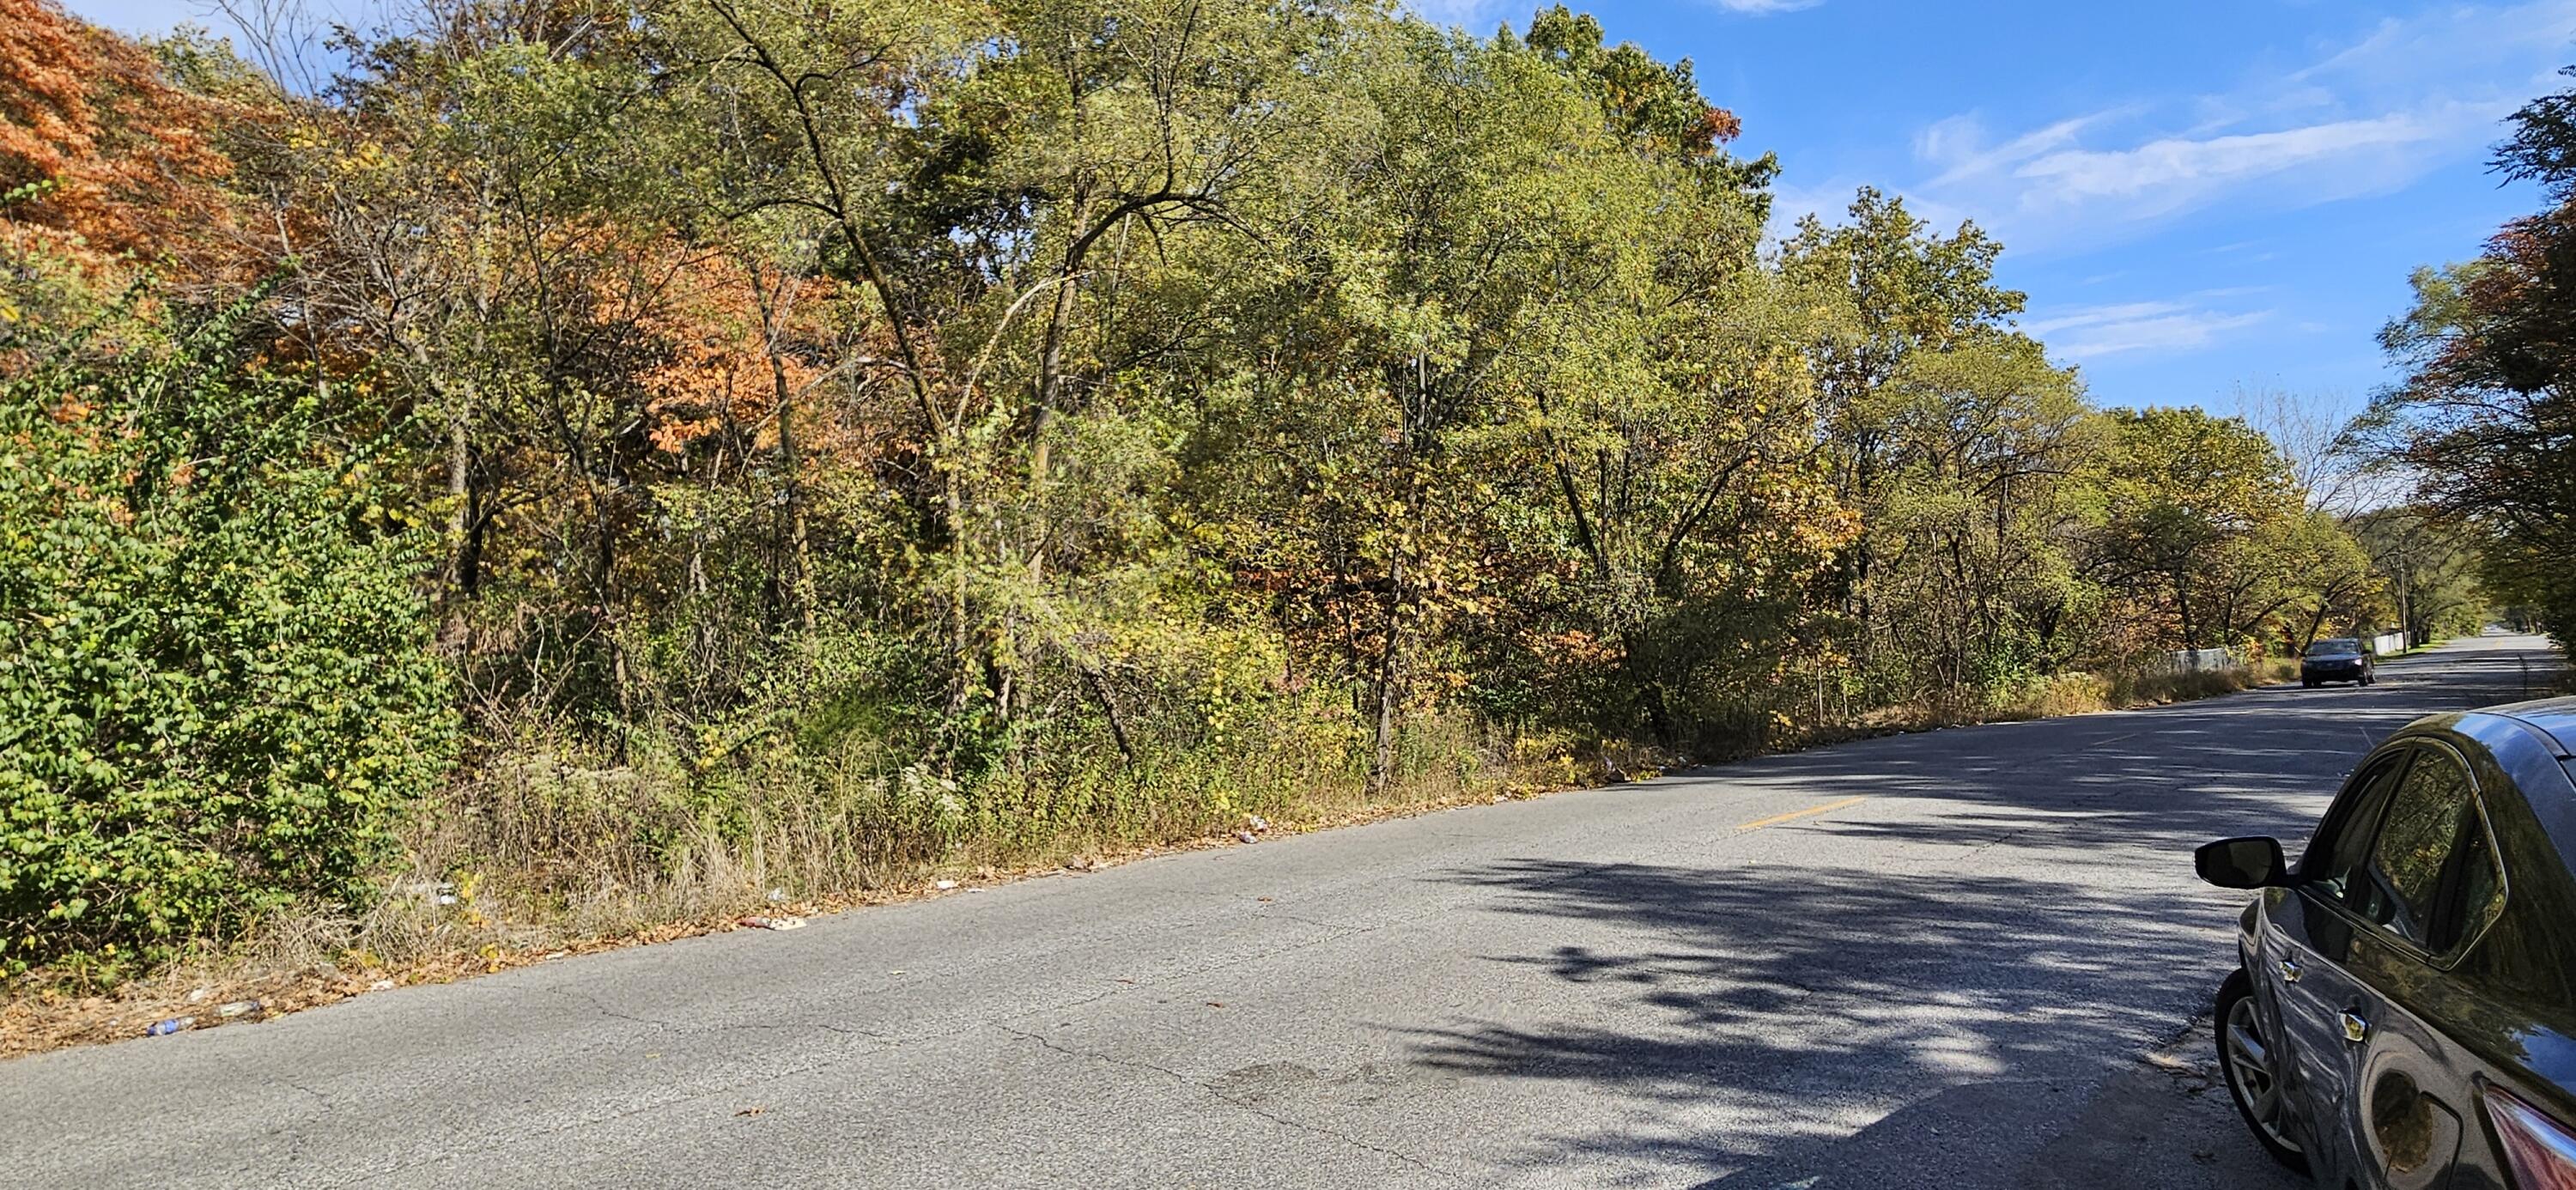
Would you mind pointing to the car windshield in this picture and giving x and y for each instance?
(2334, 645)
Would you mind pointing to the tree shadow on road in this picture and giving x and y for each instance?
(1780, 1034)
(1767, 1024)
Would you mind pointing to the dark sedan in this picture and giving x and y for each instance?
(2336, 659)
(2405, 1012)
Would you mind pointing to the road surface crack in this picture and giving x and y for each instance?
(801, 1025)
(1343, 929)
(300, 1088)
(1332, 1134)
(758, 1026)
(601, 1007)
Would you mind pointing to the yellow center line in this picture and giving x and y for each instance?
(1776, 819)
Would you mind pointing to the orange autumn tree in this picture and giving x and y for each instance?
(746, 343)
(126, 161)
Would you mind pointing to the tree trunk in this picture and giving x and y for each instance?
(1382, 758)
(2182, 611)
(792, 511)
(1050, 379)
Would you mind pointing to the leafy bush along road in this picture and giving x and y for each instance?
(214, 675)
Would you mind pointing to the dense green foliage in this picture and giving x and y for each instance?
(215, 686)
(845, 438)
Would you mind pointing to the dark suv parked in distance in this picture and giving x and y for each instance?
(2336, 659)
(2404, 1016)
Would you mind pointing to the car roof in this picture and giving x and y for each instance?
(2553, 718)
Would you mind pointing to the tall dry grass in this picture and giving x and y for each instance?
(542, 847)
(539, 846)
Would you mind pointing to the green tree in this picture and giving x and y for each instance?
(1972, 580)
(1905, 291)
(2483, 422)
(2329, 580)
(214, 664)
(2432, 570)
(2186, 501)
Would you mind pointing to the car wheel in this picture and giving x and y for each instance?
(2252, 1067)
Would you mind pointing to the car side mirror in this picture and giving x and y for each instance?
(2251, 862)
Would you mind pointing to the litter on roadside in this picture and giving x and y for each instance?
(238, 1008)
(773, 923)
(173, 1025)
(945, 885)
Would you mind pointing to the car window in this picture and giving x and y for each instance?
(2343, 840)
(2430, 838)
(2331, 646)
(2474, 894)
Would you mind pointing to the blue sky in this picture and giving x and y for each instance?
(2196, 196)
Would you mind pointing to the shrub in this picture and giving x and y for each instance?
(215, 683)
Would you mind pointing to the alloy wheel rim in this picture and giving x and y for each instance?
(2251, 1073)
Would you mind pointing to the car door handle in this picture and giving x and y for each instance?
(2355, 1029)
(2290, 971)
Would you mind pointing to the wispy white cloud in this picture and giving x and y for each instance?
(2059, 188)
(2092, 332)
(1958, 145)
(2369, 115)
(2445, 40)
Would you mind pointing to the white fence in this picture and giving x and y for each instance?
(2195, 660)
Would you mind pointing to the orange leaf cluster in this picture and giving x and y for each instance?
(1718, 126)
(131, 157)
(717, 372)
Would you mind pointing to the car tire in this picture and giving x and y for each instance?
(2307, 683)
(2241, 1079)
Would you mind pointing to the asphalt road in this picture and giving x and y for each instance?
(1962, 958)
